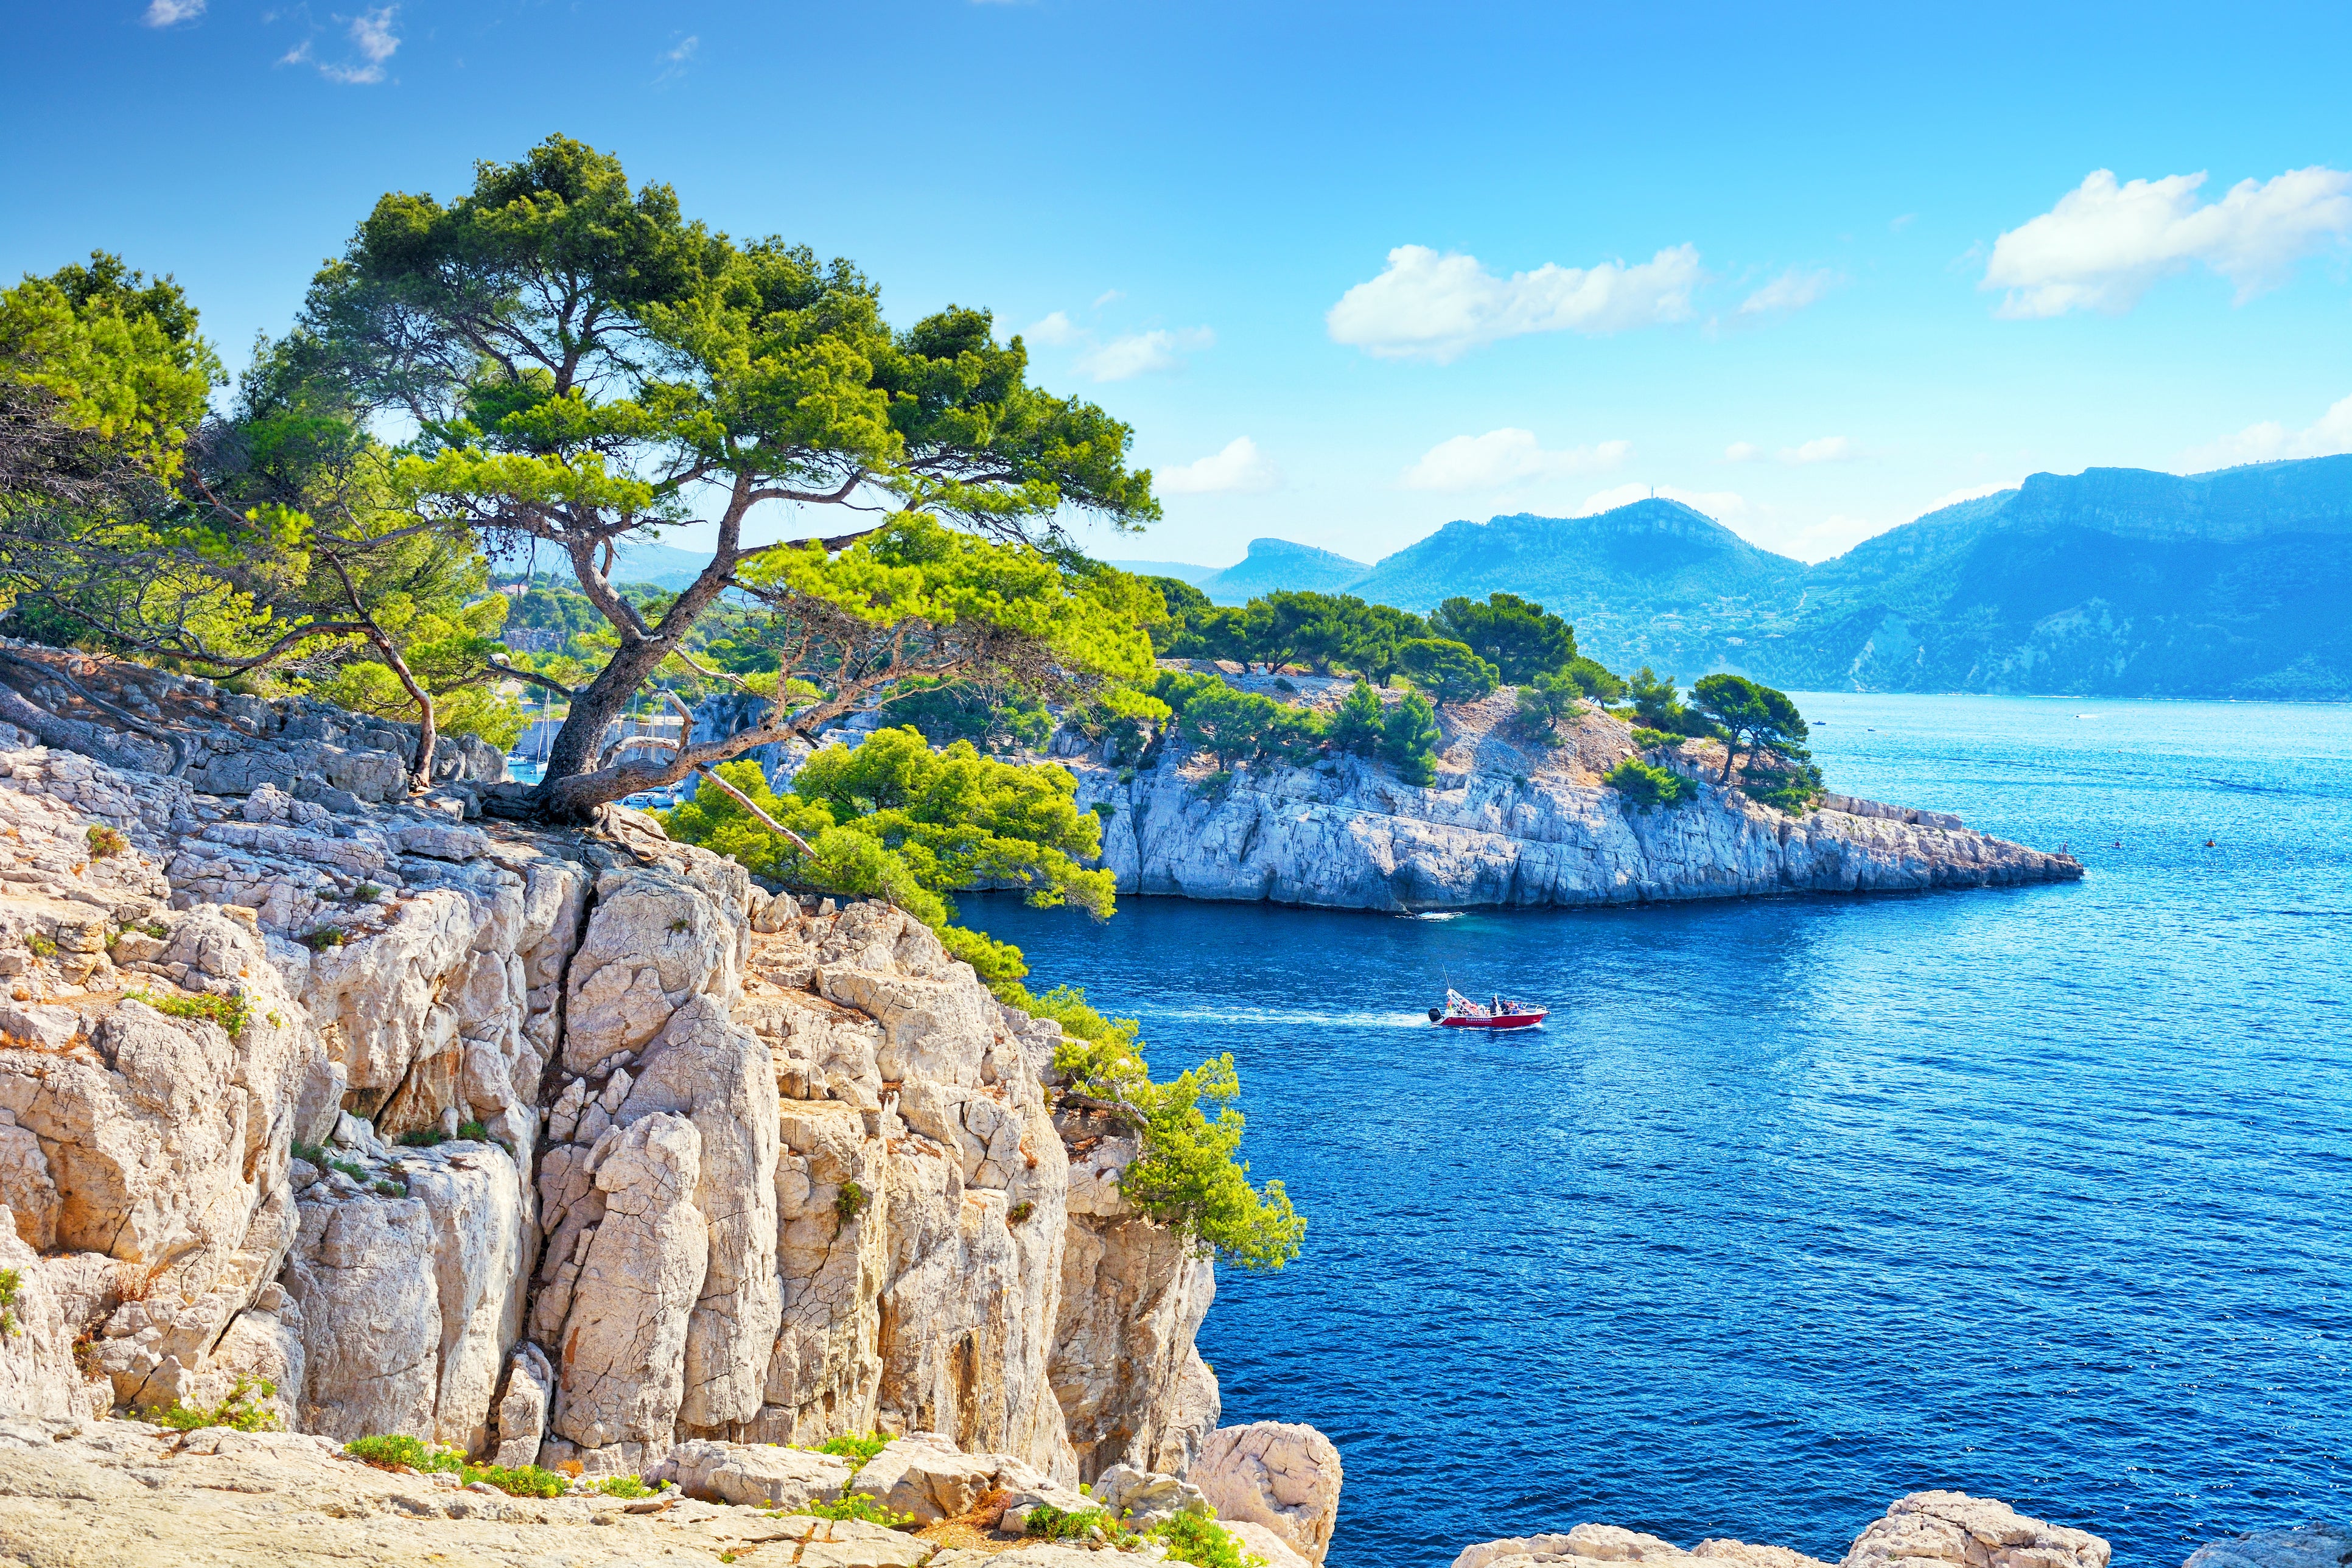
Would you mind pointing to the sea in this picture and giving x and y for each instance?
(1797, 1205)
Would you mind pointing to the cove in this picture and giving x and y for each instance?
(1799, 1204)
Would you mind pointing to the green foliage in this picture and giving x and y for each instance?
(951, 711)
(848, 1203)
(115, 354)
(1189, 1178)
(1182, 602)
(1446, 670)
(897, 820)
(366, 893)
(1645, 786)
(11, 1281)
(324, 938)
(1508, 631)
(1793, 788)
(1657, 705)
(1017, 1214)
(1550, 702)
(1066, 1524)
(473, 1132)
(1409, 737)
(1650, 740)
(1356, 728)
(397, 1451)
(240, 1411)
(1200, 1540)
(105, 843)
(623, 1487)
(40, 944)
(1236, 726)
(858, 1448)
(230, 1013)
(1597, 682)
(1758, 715)
(861, 1506)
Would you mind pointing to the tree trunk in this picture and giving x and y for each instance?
(593, 706)
(420, 771)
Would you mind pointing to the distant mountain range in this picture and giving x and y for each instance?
(2113, 582)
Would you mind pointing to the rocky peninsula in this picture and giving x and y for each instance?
(1506, 823)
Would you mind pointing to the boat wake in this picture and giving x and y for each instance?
(1436, 915)
(1298, 1016)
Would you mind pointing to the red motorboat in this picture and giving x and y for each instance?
(1503, 1013)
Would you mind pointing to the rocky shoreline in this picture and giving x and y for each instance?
(1508, 823)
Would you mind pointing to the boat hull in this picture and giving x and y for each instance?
(1506, 1021)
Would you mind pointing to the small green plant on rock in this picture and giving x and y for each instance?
(398, 1451)
(390, 1189)
(423, 1137)
(1066, 1524)
(862, 1507)
(40, 944)
(1645, 786)
(366, 893)
(850, 1201)
(10, 1283)
(473, 1132)
(857, 1447)
(229, 1011)
(623, 1486)
(325, 937)
(105, 842)
(240, 1412)
(1198, 1540)
(1020, 1211)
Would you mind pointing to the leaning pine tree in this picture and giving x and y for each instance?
(583, 364)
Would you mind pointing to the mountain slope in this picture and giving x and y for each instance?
(1274, 564)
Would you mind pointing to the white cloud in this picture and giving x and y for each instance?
(1141, 353)
(371, 35)
(1792, 291)
(1501, 458)
(1823, 450)
(1239, 469)
(1898, 225)
(2103, 245)
(1055, 331)
(2268, 442)
(1742, 452)
(1428, 306)
(166, 13)
(1107, 296)
(1720, 505)
(674, 59)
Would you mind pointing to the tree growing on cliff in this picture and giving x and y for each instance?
(1512, 634)
(1752, 717)
(584, 363)
(1446, 670)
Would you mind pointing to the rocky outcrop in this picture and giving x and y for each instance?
(1935, 1527)
(1506, 823)
(1278, 1474)
(2301, 1546)
(564, 1147)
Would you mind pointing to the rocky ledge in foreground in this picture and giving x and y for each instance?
(1508, 823)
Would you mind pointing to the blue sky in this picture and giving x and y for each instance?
(1354, 271)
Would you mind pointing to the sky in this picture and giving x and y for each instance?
(1353, 272)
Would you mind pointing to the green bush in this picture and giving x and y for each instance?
(848, 1202)
(1189, 1177)
(105, 843)
(229, 1011)
(398, 1451)
(1792, 788)
(950, 710)
(1650, 740)
(858, 1448)
(1066, 1524)
(325, 937)
(1646, 786)
(421, 1138)
(858, 1506)
(10, 1283)
(1549, 703)
(1446, 670)
(239, 1412)
(1202, 1541)
(1409, 737)
(1356, 727)
(623, 1487)
(473, 1132)
(40, 944)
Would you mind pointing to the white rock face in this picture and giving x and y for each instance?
(551, 1145)
(2304, 1546)
(1282, 1475)
(1594, 1543)
(1953, 1527)
(1508, 823)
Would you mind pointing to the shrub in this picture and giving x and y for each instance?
(858, 1506)
(849, 1201)
(40, 944)
(421, 1138)
(10, 1283)
(387, 1188)
(398, 1451)
(324, 938)
(229, 1011)
(1019, 1212)
(1646, 786)
(1409, 740)
(1356, 727)
(1549, 702)
(1065, 1524)
(1793, 788)
(623, 1486)
(473, 1131)
(1202, 1541)
(105, 842)
(366, 893)
(239, 1412)
(1188, 1178)
(1650, 740)
(857, 1447)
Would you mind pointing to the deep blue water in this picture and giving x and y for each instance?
(1801, 1204)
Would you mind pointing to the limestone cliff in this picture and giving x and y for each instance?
(554, 1145)
(1505, 821)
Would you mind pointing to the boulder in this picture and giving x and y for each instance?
(1982, 1532)
(1597, 1544)
(1140, 1499)
(1258, 1540)
(927, 1476)
(2313, 1545)
(1282, 1475)
(758, 1474)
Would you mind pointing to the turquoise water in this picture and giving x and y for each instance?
(1801, 1204)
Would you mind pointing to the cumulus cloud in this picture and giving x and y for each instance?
(1720, 505)
(1055, 331)
(2270, 441)
(1503, 457)
(169, 12)
(1821, 449)
(1792, 291)
(2104, 245)
(372, 42)
(1141, 353)
(1434, 307)
(1240, 468)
